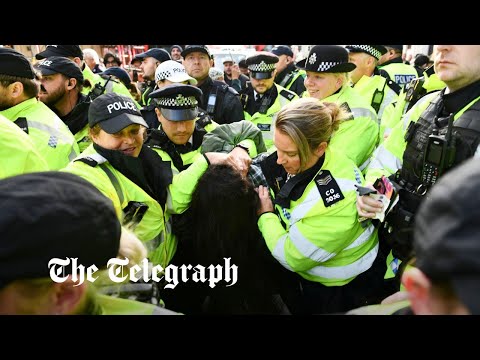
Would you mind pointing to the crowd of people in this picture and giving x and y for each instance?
(272, 165)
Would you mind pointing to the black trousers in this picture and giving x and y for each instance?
(314, 298)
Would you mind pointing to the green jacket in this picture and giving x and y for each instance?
(51, 136)
(322, 239)
(225, 137)
(394, 112)
(388, 157)
(109, 305)
(373, 88)
(265, 121)
(112, 85)
(18, 154)
(153, 228)
(356, 137)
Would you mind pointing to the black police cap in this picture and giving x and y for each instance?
(178, 102)
(261, 65)
(60, 65)
(373, 50)
(157, 53)
(53, 214)
(60, 50)
(327, 59)
(114, 112)
(195, 48)
(120, 73)
(13, 63)
(282, 50)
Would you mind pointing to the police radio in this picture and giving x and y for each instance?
(439, 154)
(212, 100)
(97, 90)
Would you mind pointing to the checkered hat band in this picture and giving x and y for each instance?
(368, 49)
(168, 73)
(179, 101)
(327, 65)
(262, 67)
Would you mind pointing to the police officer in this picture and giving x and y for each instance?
(366, 79)
(133, 176)
(220, 101)
(19, 104)
(288, 75)
(264, 99)
(438, 133)
(183, 126)
(392, 67)
(150, 60)
(413, 91)
(312, 228)
(65, 217)
(328, 69)
(100, 84)
(61, 90)
(18, 154)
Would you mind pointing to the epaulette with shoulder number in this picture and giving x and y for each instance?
(287, 94)
(92, 159)
(88, 160)
(394, 86)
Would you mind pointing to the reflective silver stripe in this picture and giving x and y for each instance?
(51, 130)
(362, 238)
(362, 112)
(73, 154)
(279, 252)
(389, 97)
(346, 271)
(306, 248)
(114, 181)
(169, 204)
(364, 165)
(407, 116)
(384, 159)
(168, 225)
(313, 252)
(406, 120)
(313, 196)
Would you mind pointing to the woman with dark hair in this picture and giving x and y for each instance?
(222, 223)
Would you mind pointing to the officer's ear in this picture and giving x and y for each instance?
(67, 296)
(15, 89)
(71, 83)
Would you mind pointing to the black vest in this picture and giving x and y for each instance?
(397, 229)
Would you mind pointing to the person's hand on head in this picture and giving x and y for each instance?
(242, 159)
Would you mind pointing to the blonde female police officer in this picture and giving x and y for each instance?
(312, 228)
(328, 79)
(133, 176)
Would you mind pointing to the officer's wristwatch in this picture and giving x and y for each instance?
(243, 147)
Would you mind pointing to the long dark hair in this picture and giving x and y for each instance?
(223, 215)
